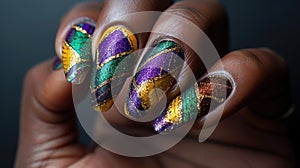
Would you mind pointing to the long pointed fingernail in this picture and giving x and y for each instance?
(57, 64)
(116, 43)
(76, 50)
(154, 72)
(205, 96)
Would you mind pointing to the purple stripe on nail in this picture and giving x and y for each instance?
(115, 43)
(88, 28)
(70, 36)
(146, 74)
(160, 125)
(162, 61)
(157, 67)
(134, 99)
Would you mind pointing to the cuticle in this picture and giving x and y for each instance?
(167, 38)
(225, 74)
(84, 19)
(119, 24)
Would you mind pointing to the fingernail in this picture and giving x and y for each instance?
(153, 72)
(57, 64)
(116, 43)
(203, 97)
(76, 50)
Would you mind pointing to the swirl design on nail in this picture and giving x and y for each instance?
(116, 43)
(203, 97)
(155, 71)
(76, 51)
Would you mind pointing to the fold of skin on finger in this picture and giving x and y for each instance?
(103, 158)
(206, 15)
(73, 42)
(47, 113)
(219, 151)
(115, 42)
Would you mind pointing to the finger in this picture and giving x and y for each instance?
(73, 40)
(47, 121)
(103, 158)
(253, 73)
(115, 40)
(162, 66)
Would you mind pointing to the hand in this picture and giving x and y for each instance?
(250, 134)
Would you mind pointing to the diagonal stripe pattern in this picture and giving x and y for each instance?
(116, 43)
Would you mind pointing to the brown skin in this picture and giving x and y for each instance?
(49, 138)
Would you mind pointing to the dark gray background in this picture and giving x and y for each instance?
(28, 30)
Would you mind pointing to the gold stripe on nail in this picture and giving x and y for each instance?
(132, 39)
(158, 54)
(114, 57)
(109, 81)
(70, 57)
(196, 88)
(146, 87)
(82, 31)
(174, 111)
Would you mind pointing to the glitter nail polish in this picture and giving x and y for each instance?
(203, 97)
(116, 43)
(158, 69)
(76, 50)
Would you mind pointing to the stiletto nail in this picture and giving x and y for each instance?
(205, 96)
(116, 43)
(57, 64)
(76, 50)
(154, 71)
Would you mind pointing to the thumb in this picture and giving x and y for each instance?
(48, 121)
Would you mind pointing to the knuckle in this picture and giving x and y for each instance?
(248, 57)
(279, 60)
(201, 13)
(246, 63)
(259, 60)
(189, 13)
(259, 54)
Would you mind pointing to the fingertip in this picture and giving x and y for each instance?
(82, 10)
(56, 92)
(48, 86)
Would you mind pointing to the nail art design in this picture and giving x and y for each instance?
(57, 64)
(154, 72)
(205, 96)
(116, 43)
(76, 51)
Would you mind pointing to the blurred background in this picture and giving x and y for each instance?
(29, 27)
